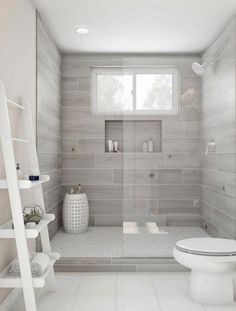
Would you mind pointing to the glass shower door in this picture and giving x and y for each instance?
(143, 235)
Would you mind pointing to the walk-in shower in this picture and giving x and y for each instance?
(151, 140)
(144, 197)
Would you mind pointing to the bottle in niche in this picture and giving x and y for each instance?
(150, 145)
(116, 146)
(145, 147)
(79, 188)
(110, 145)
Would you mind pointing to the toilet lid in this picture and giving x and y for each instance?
(208, 246)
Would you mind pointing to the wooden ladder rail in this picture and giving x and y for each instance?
(16, 205)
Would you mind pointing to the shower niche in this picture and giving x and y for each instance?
(132, 135)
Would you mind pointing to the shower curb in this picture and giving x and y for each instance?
(118, 264)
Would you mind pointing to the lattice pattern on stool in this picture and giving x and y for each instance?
(75, 213)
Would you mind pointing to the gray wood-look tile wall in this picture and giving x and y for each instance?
(119, 186)
(218, 169)
(49, 120)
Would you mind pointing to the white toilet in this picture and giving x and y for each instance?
(213, 265)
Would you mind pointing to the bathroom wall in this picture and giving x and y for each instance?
(17, 71)
(171, 197)
(49, 120)
(218, 173)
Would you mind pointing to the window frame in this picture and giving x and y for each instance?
(134, 71)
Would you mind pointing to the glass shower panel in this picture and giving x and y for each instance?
(141, 223)
(161, 157)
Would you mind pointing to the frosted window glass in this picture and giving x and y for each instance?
(154, 92)
(114, 92)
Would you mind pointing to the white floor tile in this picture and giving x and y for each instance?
(82, 275)
(138, 286)
(67, 286)
(220, 308)
(19, 307)
(48, 302)
(97, 286)
(68, 274)
(95, 304)
(171, 275)
(134, 274)
(138, 304)
(54, 302)
(173, 294)
(187, 275)
(121, 292)
(171, 286)
(179, 304)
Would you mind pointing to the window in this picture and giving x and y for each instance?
(135, 90)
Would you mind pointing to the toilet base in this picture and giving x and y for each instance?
(212, 288)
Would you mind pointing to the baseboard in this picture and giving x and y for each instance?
(11, 300)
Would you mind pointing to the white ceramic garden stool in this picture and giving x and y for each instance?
(75, 213)
(213, 265)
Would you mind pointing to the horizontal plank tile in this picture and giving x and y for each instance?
(148, 176)
(86, 176)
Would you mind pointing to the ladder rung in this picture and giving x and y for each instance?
(15, 104)
(21, 140)
(7, 281)
(25, 183)
(6, 231)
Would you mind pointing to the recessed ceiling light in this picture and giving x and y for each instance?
(82, 30)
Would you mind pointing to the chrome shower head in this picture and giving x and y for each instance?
(198, 68)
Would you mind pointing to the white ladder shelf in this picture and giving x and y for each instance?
(20, 233)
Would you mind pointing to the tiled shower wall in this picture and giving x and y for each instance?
(172, 196)
(49, 120)
(218, 174)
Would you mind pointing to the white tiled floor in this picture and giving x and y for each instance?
(122, 292)
(111, 242)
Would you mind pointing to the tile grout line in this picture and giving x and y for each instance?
(75, 298)
(116, 296)
(156, 292)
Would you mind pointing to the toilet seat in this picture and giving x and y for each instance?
(207, 246)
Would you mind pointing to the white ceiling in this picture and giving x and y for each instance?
(148, 26)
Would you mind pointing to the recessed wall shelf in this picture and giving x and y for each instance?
(131, 134)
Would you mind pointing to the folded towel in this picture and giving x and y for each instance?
(39, 262)
(14, 268)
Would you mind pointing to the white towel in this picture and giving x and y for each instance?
(39, 263)
(15, 267)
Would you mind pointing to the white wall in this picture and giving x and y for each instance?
(18, 72)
